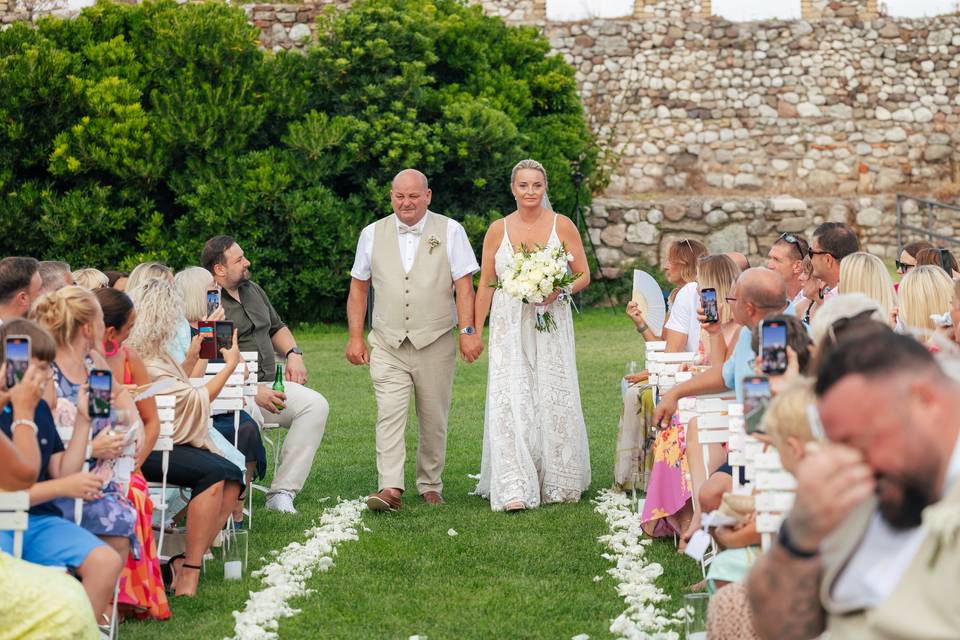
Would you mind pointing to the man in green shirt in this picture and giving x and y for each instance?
(300, 409)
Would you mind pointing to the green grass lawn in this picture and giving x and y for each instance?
(527, 575)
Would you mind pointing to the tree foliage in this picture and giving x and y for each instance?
(135, 132)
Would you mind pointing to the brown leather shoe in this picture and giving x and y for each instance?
(384, 500)
(434, 498)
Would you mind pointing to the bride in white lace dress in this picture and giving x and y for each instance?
(535, 447)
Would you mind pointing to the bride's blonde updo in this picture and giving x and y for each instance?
(528, 164)
(64, 312)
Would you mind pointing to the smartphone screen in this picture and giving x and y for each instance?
(224, 335)
(208, 344)
(756, 397)
(100, 382)
(17, 349)
(708, 300)
(773, 346)
(213, 301)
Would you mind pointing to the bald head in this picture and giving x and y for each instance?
(738, 258)
(762, 288)
(410, 174)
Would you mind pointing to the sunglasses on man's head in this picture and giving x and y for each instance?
(798, 243)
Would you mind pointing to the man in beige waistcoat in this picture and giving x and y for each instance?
(871, 548)
(415, 259)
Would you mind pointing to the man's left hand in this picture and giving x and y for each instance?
(296, 369)
(471, 346)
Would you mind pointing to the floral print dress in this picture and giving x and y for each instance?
(113, 514)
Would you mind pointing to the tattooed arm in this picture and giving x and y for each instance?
(784, 596)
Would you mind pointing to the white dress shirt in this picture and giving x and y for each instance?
(460, 254)
(884, 555)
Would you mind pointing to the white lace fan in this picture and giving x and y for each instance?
(649, 297)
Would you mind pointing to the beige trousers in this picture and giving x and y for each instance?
(429, 373)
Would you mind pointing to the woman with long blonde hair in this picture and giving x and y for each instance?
(865, 273)
(194, 462)
(535, 448)
(926, 290)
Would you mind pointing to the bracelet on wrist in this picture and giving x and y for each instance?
(28, 423)
(642, 328)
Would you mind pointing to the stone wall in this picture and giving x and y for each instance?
(847, 112)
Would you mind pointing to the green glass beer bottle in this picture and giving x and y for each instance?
(278, 384)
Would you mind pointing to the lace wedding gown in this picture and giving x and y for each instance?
(534, 438)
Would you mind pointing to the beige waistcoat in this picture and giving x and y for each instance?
(925, 604)
(418, 305)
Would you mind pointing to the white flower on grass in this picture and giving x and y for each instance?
(285, 578)
(452, 532)
(635, 577)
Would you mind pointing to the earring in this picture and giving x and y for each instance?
(110, 348)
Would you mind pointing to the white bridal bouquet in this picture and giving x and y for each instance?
(534, 275)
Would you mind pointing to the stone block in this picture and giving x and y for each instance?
(614, 235)
(641, 233)
(733, 237)
(674, 212)
(787, 203)
(937, 152)
(869, 217)
(793, 225)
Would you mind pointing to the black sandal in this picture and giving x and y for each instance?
(169, 575)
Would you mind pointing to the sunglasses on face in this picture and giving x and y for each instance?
(811, 253)
(903, 267)
(798, 243)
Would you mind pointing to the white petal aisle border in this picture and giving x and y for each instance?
(635, 576)
(286, 577)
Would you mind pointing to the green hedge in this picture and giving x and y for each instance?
(136, 132)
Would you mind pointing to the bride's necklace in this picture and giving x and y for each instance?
(531, 225)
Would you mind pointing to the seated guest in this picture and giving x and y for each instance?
(20, 285)
(51, 539)
(634, 435)
(681, 331)
(54, 275)
(141, 584)
(942, 258)
(868, 545)
(812, 293)
(259, 328)
(116, 279)
(193, 284)
(787, 257)
(713, 272)
(35, 601)
(925, 291)
(908, 256)
(194, 462)
(832, 242)
(181, 347)
(865, 273)
(90, 279)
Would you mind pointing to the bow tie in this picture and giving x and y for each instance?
(404, 229)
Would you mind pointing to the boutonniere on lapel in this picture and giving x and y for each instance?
(433, 242)
(942, 523)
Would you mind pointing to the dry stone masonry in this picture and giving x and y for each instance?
(736, 132)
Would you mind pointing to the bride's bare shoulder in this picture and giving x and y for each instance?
(495, 230)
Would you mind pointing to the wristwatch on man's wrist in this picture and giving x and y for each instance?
(467, 331)
(783, 537)
(295, 350)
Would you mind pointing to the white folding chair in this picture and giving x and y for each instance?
(14, 506)
(166, 408)
(776, 490)
(66, 435)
